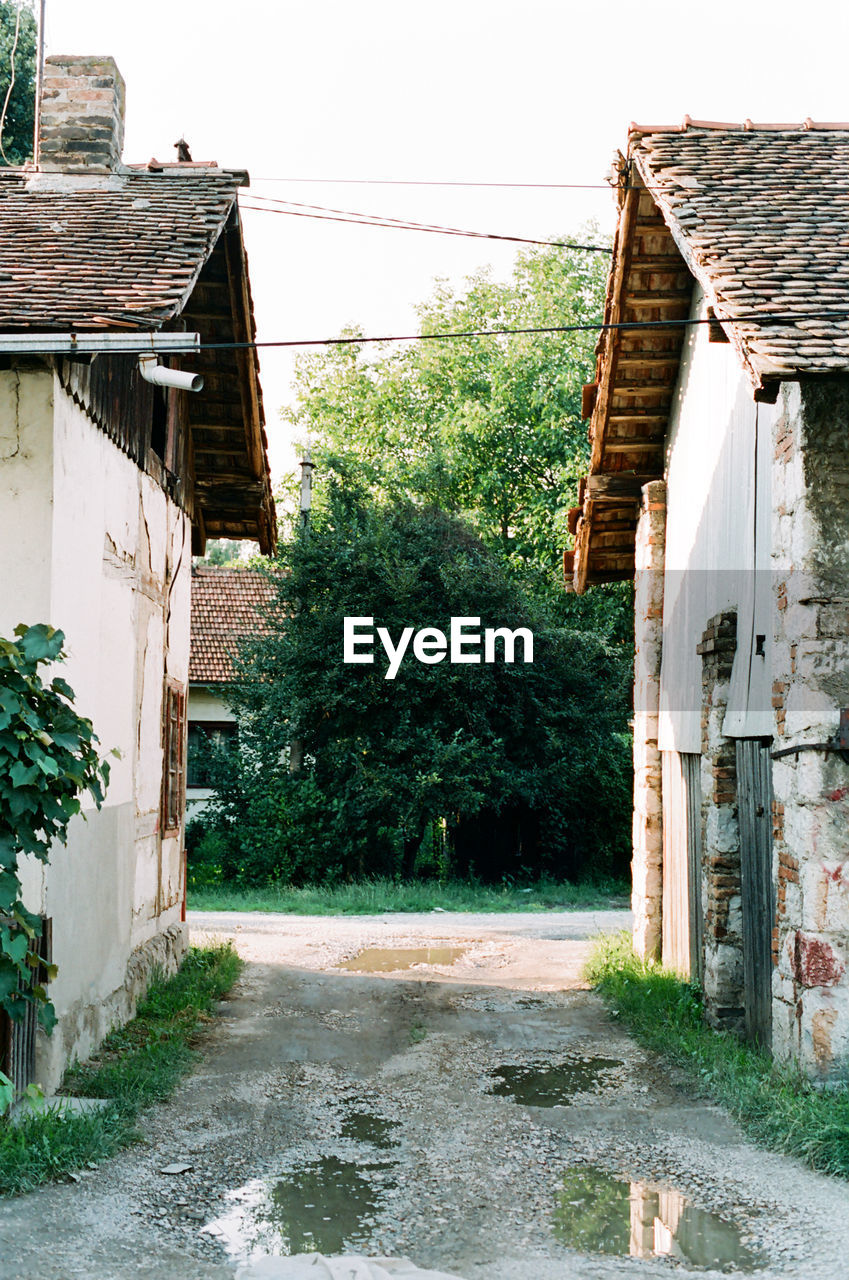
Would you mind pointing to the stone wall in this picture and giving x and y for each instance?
(811, 685)
(647, 864)
(721, 898)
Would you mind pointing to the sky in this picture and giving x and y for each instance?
(454, 91)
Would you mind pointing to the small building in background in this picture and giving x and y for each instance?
(719, 483)
(228, 604)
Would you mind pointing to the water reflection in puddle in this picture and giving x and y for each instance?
(597, 1212)
(325, 1207)
(362, 1126)
(389, 960)
(551, 1086)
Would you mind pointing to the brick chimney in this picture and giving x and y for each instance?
(81, 129)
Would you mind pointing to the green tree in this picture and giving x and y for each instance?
(486, 428)
(19, 121)
(382, 759)
(48, 758)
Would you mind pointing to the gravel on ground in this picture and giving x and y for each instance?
(331, 1101)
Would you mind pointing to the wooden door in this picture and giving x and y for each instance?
(754, 800)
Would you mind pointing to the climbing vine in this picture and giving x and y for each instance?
(48, 760)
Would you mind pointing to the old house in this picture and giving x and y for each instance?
(719, 480)
(228, 603)
(109, 479)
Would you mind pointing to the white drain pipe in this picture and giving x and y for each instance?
(161, 376)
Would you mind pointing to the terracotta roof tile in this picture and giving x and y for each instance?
(227, 604)
(121, 251)
(761, 216)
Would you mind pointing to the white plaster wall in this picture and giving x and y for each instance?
(718, 489)
(105, 558)
(206, 703)
(26, 521)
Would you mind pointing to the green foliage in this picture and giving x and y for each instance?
(775, 1103)
(224, 552)
(486, 428)
(383, 759)
(7, 1093)
(19, 125)
(378, 896)
(137, 1065)
(48, 758)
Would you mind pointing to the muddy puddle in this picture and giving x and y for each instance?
(362, 1126)
(555, 1085)
(328, 1207)
(391, 960)
(599, 1213)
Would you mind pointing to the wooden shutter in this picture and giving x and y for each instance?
(174, 757)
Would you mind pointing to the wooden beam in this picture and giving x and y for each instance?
(621, 264)
(615, 445)
(240, 303)
(617, 484)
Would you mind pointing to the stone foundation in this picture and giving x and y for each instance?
(647, 864)
(81, 1028)
(721, 897)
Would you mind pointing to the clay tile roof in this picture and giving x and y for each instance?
(227, 604)
(120, 250)
(760, 214)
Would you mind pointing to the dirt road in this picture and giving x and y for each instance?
(478, 1112)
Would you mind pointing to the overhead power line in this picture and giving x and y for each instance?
(419, 182)
(594, 326)
(294, 209)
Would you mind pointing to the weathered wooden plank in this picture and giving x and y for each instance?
(754, 800)
(675, 908)
(691, 769)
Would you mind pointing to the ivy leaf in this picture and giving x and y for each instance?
(8, 981)
(47, 1016)
(40, 643)
(14, 945)
(23, 775)
(9, 889)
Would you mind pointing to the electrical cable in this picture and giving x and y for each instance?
(589, 327)
(250, 203)
(415, 182)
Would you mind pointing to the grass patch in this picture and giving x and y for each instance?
(776, 1105)
(137, 1065)
(376, 897)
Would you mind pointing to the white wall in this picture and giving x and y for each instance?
(717, 538)
(206, 703)
(107, 562)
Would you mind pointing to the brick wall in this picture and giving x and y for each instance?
(82, 115)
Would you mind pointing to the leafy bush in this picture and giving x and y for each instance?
(537, 751)
(48, 758)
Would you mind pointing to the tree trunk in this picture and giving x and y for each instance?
(411, 848)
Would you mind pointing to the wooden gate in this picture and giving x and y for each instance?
(681, 908)
(754, 800)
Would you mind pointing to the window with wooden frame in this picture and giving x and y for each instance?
(174, 757)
